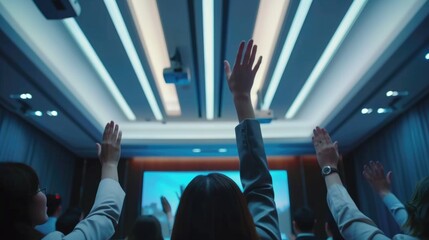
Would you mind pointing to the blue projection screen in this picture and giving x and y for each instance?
(169, 184)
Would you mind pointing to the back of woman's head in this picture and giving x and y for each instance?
(418, 210)
(18, 184)
(147, 228)
(212, 207)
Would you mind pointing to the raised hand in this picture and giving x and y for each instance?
(109, 151)
(166, 207)
(240, 80)
(326, 151)
(374, 174)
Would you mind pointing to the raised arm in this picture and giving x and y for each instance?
(254, 173)
(352, 223)
(381, 183)
(104, 215)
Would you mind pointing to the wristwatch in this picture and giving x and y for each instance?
(327, 170)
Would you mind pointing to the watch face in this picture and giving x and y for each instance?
(326, 170)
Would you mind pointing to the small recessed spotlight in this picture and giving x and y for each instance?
(384, 110)
(366, 110)
(222, 150)
(392, 93)
(25, 96)
(427, 56)
(196, 150)
(52, 113)
(38, 113)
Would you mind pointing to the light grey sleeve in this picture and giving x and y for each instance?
(256, 179)
(397, 209)
(352, 223)
(103, 217)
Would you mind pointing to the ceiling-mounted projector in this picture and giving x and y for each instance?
(176, 74)
(58, 9)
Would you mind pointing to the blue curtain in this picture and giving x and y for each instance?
(403, 148)
(54, 164)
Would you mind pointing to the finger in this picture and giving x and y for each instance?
(379, 169)
(247, 53)
(255, 69)
(239, 55)
(119, 139)
(98, 149)
(369, 169)
(336, 145)
(253, 55)
(326, 136)
(389, 177)
(227, 69)
(105, 131)
(365, 174)
(114, 136)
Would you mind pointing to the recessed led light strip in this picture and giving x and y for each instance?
(124, 35)
(82, 41)
(333, 45)
(289, 44)
(148, 22)
(208, 34)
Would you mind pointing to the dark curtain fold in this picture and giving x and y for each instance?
(403, 148)
(21, 142)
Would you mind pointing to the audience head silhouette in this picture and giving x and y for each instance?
(213, 207)
(146, 227)
(22, 204)
(53, 204)
(418, 210)
(303, 220)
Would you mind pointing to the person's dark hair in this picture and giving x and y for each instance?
(18, 185)
(68, 220)
(146, 227)
(304, 218)
(212, 207)
(53, 202)
(418, 210)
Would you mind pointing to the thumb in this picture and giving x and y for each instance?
(227, 69)
(98, 149)
(389, 177)
(336, 145)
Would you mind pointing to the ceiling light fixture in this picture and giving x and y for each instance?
(124, 35)
(384, 110)
(196, 150)
(332, 47)
(88, 50)
(38, 113)
(222, 150)
(268, 25)
(25, 96)
(427, 56)
(148, 22)
(289, 44)
(208, 35)
(396, 93)
(52, 113)
(366, 110)
(391, 93)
